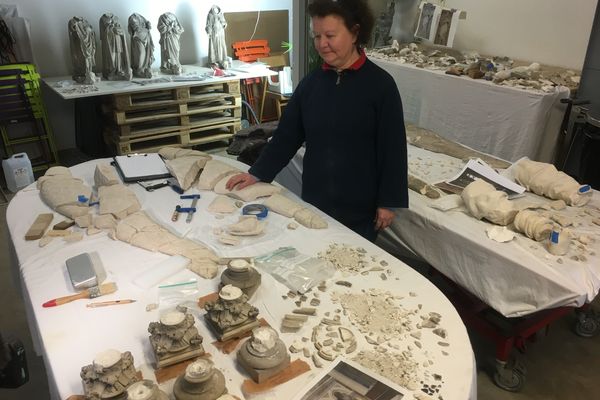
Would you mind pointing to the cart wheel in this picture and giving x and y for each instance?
(510, 379)
(586, 326)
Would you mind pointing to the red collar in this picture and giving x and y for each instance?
(357, 64)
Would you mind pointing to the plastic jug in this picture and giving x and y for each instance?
(17, 171)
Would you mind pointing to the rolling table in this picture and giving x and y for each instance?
(517, 282)
(69, 336)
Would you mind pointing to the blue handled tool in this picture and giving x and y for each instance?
(255, 209)
(189, 210)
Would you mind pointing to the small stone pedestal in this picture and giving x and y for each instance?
(230, 316)
(109, 375)
(145, 390)
(240, 274)
(175, 338)
(263, 355)
(201, 381)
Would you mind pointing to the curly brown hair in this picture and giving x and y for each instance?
(353, 12)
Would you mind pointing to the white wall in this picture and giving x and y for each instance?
(49, 20)
(50, 40)
(552, 32)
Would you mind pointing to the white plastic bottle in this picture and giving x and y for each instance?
(17, 171)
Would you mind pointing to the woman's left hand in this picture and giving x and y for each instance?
(383, 218)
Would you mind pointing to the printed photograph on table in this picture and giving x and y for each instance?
(345, 380)
(426, 21)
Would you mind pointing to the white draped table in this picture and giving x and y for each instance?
(69, 336)
(502, 121)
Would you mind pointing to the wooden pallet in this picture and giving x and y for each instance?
(162, 97)
(204, 103)
(184, 137)
(157, 127)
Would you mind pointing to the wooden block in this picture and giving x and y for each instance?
(61, 226)
(173, 371)
(39, 226)
(228, 346)
(58, 233)
(295, 369)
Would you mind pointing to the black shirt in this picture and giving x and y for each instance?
(353, 127)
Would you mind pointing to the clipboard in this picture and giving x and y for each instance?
(141, 167)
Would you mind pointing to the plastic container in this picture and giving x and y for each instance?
(17, 171)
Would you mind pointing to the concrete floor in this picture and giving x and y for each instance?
(561, 365)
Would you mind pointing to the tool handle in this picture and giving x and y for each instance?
(66, 299)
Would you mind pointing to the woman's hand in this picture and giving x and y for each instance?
(240, 181)
(383, 218)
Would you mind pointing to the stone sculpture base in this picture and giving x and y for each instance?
(174, 358)
(248, 281)
(173, 371)
(234, 332)
(293, 370)
(210, 390)
(230, 345)
(261, 375)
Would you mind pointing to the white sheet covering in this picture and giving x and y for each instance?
(515, 278)
(69, 336)
(502, 121)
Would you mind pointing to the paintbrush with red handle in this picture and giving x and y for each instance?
(96, 291)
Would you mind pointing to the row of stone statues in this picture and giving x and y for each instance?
(116, 61)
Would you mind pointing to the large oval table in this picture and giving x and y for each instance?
(69, 336)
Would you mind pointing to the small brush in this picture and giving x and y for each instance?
(96, 291)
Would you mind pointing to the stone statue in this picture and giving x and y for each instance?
(264, 354)
(383, 26)
(109, 375)
(83, 50)
(175, 338)
(115, 57)
(403, 22)
(142, 46)
(231, 315)
(215, 28)
(170, 31)
(201, 381)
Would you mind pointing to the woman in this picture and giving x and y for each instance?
(349, 114)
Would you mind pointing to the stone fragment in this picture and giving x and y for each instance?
(45, 240)
(440, 332)
(74, 237)
(305, 311)
(317, 361)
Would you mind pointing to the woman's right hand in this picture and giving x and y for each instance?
(240, 181)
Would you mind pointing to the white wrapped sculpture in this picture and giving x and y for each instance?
(215, 28)
(115, 57)
(83, 50)
(544, 179)
(170, 31)
(142, 46)
(482, 200)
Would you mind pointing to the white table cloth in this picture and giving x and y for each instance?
(506, 122)
(64, 85)
(515, 278)
(69, 336)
